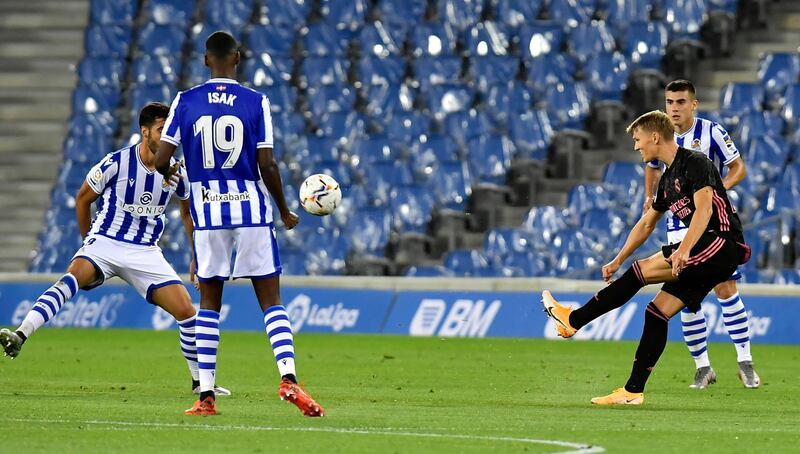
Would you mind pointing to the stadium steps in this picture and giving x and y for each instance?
(41, 41)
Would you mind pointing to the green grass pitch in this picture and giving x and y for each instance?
(124, 391)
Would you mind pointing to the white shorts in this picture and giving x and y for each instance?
(144, 267)
(256, 253)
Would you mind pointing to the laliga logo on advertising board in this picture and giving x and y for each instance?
(80, 312)
(336, 316)
(610, 326)
(162, 320)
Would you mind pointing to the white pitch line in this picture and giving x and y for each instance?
(576, 448)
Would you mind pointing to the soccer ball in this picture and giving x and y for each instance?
(320, 194)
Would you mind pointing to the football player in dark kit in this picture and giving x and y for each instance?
(714, 245)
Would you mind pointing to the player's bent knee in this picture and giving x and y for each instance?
(725, 289)
(175, 300)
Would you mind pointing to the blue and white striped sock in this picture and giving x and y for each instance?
(207, 340)
(48, 304)
(279, 331)
(695, 333)
(186, 330)
(734, 315)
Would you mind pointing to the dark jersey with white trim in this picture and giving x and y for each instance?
(690, 172)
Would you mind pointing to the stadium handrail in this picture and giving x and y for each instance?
(396, 283)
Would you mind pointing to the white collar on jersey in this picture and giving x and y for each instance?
(688, 130)
(222, 80)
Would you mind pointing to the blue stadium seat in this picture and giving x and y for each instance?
(368, 232)
(788, 276)
(463, 126)
(490, 158)
(326, 254)
(517, 13)
(568, 105)
(467, 263)
(156, 70)
(626, 179)
(386, 70)
(684, 18)
(729, 6)
(776, 72)
(791, 107)
(531, 133)
(412, 206)
(375, 148)
(385, 100)
(113, 12)
(407, 127)
(330, 98)
(293, 261)
(282, 98)
(428, 271)
(264, 70)
(276, 41)
(755, 124)
(547, 71)
(529, 263)
(94, 125)
(317, 149)
(285, 13)
(432, 39)
(405, 14)
(448, 98)
(344, 14)
(103, 72)
(167, 40)
(542, 223)
(328, 70)
(142, 95)
(621, 14)
(170, 12)
(487, 38)
(500, 242)
(605, 225)
(607, 76)
(492, 70)
(451, 186)
(766, 158)
(382, 176)
(590, 38)
(568, 12)
(344, 127)
(338, 170)
(321, 39)
(505, 100)
(460, 13)
(228, 14)
(92, 99)
(738, 98)
(645, 44)
(381, 39)
(110, 41)
(538, 38)
(196, 72)
(583, 197)
(431, 71)
(86, 148)
(428, 152)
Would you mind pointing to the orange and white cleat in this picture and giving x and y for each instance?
(205, 407)
(293, 393)
(560, 315)
(620, 397)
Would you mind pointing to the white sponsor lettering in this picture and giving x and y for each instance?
(144, 210)
(302, 312)
(209, 196)
(80, 312)
(221, 98)
(466, 318)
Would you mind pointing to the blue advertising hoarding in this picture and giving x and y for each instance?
(399, 312)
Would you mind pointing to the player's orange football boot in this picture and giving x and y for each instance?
(620, 397)
(296, 395)
(203, 407)
(560, 315)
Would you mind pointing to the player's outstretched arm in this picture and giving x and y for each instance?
(188, 227)
(83, 207)
(641, 231)
(702, 214)
(737, 170)
(271, 176)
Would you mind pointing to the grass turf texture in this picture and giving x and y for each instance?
(125, 390)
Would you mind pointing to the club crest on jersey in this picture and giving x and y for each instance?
(677, 185)
(146, 198)
(220, 88)
(696, 144)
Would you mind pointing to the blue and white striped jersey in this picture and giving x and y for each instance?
(711, 139)
(221, 125)
(132, 198)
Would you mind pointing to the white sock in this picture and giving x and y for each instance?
(737, 323)
(48, 304)
(695, 333)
